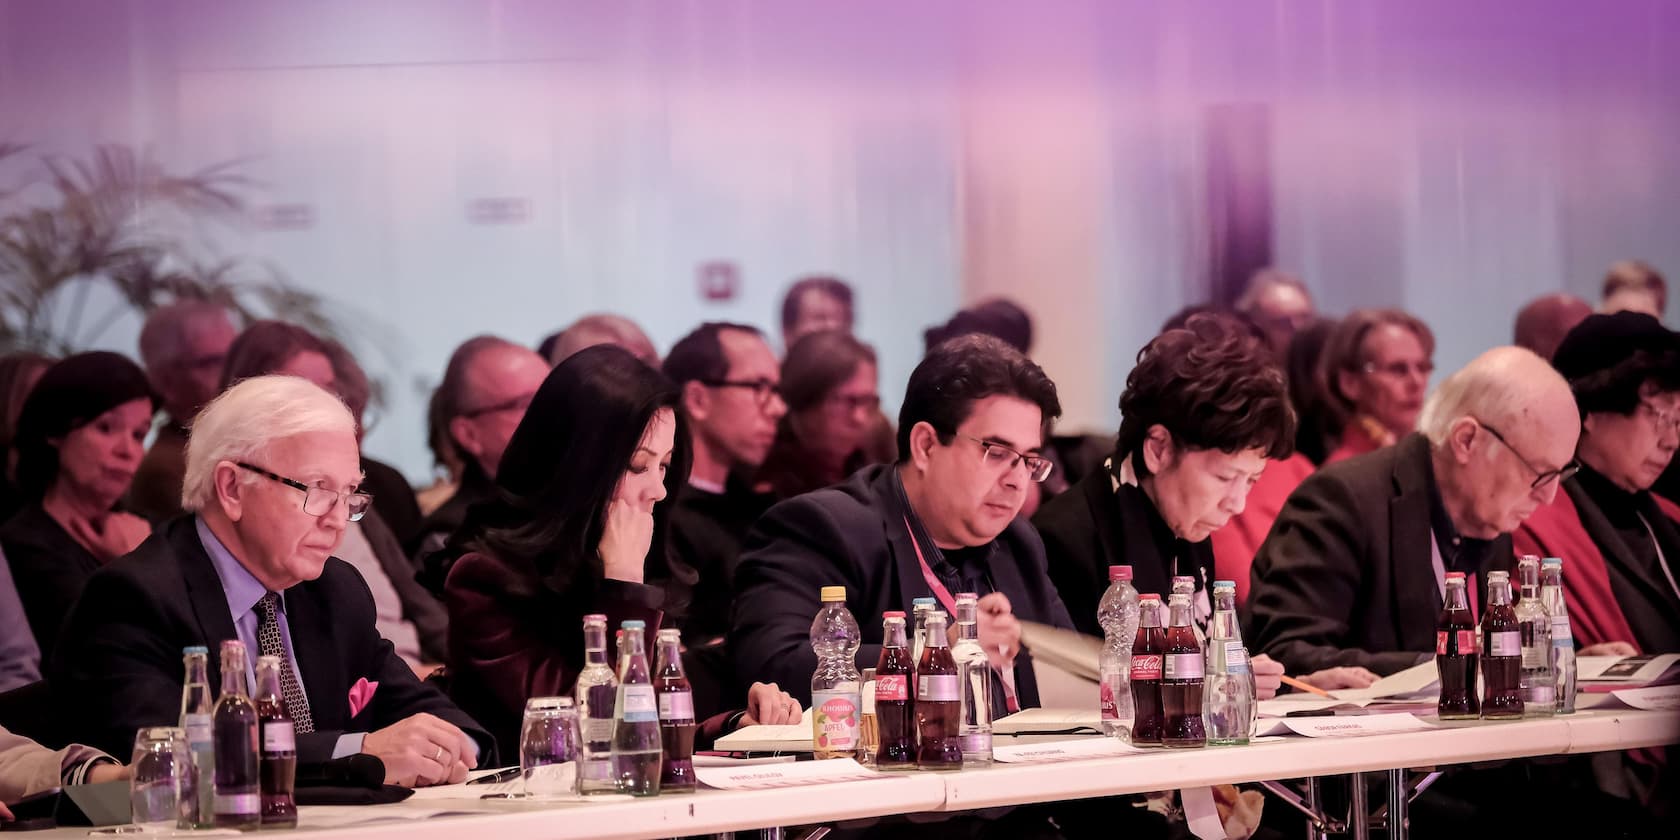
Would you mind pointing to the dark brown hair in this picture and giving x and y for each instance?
(265, 347)
(834, 287)
(955, 375)
(819, 363)
(1213, 385)
(1344, 350)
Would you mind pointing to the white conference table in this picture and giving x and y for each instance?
(711, 811)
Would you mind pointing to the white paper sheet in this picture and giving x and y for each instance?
(1069, 750)
(1664, 698)
(1416, 681)
(342, 816)
(790, 737)
(793, 774)
(1353, 726)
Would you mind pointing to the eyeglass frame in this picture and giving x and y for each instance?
(1020, 457)
(1427, 368)
(355, 515)
(763, 389)
(1562, 474)
(1662, 417)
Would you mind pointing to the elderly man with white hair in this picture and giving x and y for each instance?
(1353, 570)
(272, 481)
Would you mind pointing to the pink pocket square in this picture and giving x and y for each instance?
(361, 694)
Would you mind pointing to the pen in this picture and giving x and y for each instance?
(1291, 681)
(497, 777)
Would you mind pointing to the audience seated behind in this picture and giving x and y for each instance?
(184, 348)
(829, 380)
(1375, 369)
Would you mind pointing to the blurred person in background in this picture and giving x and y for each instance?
(1634, 286)
(600, 328)
(1542, 324)
(18, 374)
(183, 347)
(1316, 430)
(829, 384)
(818, 303)
(1376, 369)
(1279, 304)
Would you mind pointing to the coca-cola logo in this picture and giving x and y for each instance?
(1146, 666)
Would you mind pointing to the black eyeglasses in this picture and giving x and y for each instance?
(763, 389)
(1541, 477)
(319, 501)
(1002, 458)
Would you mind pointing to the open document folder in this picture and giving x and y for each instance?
(1067, 650)
(790, 737)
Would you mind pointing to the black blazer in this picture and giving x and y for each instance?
(853, 535)
(49, 568)
(118, 666)
(1092, 527)
(1346, 577)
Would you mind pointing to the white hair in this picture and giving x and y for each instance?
(1503, 382)
(239, 425)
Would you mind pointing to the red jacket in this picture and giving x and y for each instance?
(1235, 544)
(1555, 530)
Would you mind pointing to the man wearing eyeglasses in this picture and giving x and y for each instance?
(1353, 569)
(941, 521)
(732, 400)
(273, 479)
(184, 347)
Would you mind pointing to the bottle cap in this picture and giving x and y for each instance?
(923, 602)
(1149, 596)
(1178, 579)
(831, 594)
(1455, 576)
(192, 649)
(594, 617)
(1498, 574)
(1224, 584)
(1551, 562)
(634, 624)
(670, 634)
(1119, 573)
(893, 614)
(967, 596)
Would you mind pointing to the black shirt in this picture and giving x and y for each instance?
(705, 541)
(1458, 553)
(1642, 587)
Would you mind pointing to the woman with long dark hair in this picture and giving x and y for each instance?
(829, 384)
(576, 524)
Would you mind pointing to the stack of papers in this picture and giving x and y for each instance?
(1050, 722)
(791, 737)
(1612, 673)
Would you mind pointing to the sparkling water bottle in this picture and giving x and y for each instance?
(975, 674)
(637, 751)
(836, 686)
(1563, 639)
(1228, 699)
(1117, 613)
(919, 609)
(1539, 683)
(198, 705)
(597, 694)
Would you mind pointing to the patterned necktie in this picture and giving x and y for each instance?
(268, 641)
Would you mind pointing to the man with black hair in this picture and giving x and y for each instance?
(941, 521)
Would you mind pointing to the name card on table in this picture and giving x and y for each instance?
(1353, 726)
(1664, 698)
(1070, 750)
(796, 774)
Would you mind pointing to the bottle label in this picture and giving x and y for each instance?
(1146, 666)
(1441, 637)
(199, 730)
(636, 704)
(1560, 632)
(834, 720)
(676, 705)
(1536, 656)
(1466, 642)
(278, 737)
(237, 803)
(1236, 658)
(597, 730)
(1505, 643)
(1183, 666)
(977, 742)
(1109, 710)
(938, 687)
(892, 687)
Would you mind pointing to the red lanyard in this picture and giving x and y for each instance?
(1006, 677)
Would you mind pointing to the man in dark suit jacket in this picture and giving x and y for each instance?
(1349, 574)
(972, 427)
(251, 562)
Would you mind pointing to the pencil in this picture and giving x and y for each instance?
(1295, 683)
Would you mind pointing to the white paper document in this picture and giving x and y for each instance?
(343, 816)
(1416, 681)
(1346, 726)
(1048, 720)
(798, 773)
(1630, 670)
(790, 737)
(1069, 750)
(1662, 698)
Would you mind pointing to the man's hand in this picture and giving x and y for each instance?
(1000, 630)
(625, 538)
(422, 750)
(769, 705)
(1610, 649)
(1332, 679)
(1268, 676)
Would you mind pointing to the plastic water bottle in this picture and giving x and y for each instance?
(1563, 640)
(1228, 705)
(597, 694)
(1539, 684)
(836, 686)
(637, 745)
(974, 671)
(1117, 613)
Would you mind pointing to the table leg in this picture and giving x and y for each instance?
(1359, 810)
(1315, 802)
(1399, 800)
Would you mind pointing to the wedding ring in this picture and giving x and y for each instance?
(437, 756)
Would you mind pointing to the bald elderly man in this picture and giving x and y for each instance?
(1354, 568)
(1542, 324)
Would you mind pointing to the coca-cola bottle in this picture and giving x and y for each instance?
(895, 706)
(1181, 680)
(676, 716)
(1147, 652)
(938, 701)
(1502, 654)
(279, 747)
(1455, 654)
(238, 788)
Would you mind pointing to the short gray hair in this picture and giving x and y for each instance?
(239, 425)
(1495, 385)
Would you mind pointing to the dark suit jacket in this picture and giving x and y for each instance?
(394, 498)
(1345, 578)
(422, 609)
(119, 666)
(1092, 527)
(49, 568)
(853, 535)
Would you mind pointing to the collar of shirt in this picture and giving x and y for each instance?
(239, 586)
(973, 575)
(1458, 553)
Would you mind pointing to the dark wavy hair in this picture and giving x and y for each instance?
(564, 461)
(70, 394)
(955, 375)
(1213, 385)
